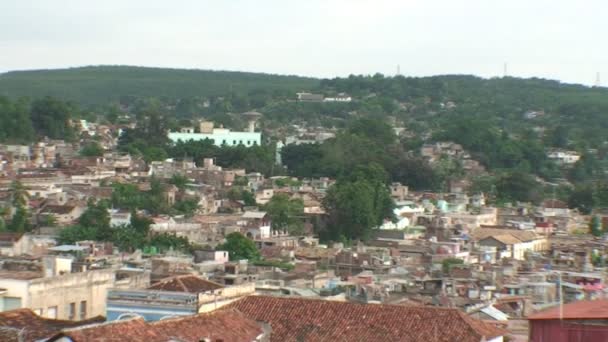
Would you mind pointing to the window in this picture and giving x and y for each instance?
(51, 312)
(83, 309)
(233, 142)
(38, 312)
(10, 303)
(71, 311)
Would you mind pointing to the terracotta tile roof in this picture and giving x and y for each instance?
(9, 238)
(134, 329)
(186, 283)
(584, 309)
(296, 319)
(33, 326)
(58, 209)
(505, 239)
(523, 235)
(225, 326)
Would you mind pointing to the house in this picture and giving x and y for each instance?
(119, 218)
(52, 291)
(12, 244)
(219, 136)
(529, 240)
(563, 157)
(506, 245)
(256, 225)
(171, 297)
(308, 97)
(341, 97)
(175, 296)
(298, 319)
(63, 214)
(23, 325)
(580, 321)
(224, 326)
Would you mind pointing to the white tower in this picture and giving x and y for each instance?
(252, 117)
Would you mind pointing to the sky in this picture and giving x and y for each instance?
(558, 39)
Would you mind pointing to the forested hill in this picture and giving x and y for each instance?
(99, 85)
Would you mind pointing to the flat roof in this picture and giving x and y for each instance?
(68, 248)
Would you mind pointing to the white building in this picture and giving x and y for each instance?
(564, 157)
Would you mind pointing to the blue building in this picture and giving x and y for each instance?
(221, 136)
(171, 297)
(150, 305)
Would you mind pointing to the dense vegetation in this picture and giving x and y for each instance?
(94, 224)
(22, 121)
(488, 117)
(101, 85)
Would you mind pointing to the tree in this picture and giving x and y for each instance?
(72, 234)
(97, 217)
(447, 264)
(583, 198)
(180, 181)
(239, 247)
(595, 226)
(285, 213)
(92, 149)
(187, 207)
(518, 186)
(20, 220)
(51, 118)
(357, 204)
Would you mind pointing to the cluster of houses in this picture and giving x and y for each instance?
(448, 267)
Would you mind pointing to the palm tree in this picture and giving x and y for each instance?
(19, 194)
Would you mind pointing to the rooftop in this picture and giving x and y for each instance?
(223, 325)
(584, 309)
(34, 327)
(186, 283)
(296, 319)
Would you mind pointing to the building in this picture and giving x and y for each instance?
(308, 97)
(564, 157)
(221, 136)
(51, 291)
(224, 326)
(183, 295)
(296, 319)
(23, 325)
(580, 321)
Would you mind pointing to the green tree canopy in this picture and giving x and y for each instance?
(239, 247)
(285, 213)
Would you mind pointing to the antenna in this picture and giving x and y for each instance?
(597, 79)
(398, 70)
(504, 70)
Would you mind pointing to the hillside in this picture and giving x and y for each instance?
(99, 85)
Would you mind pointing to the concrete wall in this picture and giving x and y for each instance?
(210, 301)
(15, 288)
(62, 290)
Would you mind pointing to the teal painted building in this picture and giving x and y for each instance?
(220, 136)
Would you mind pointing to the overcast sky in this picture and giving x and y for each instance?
(557, 39)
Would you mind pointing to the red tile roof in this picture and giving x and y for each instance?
(134, 329)
(186, 283)
(35, 327)
(225, 326)
(296, 319)
(584, 309)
